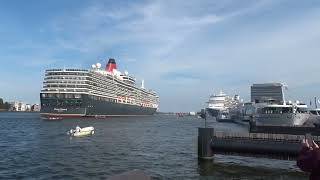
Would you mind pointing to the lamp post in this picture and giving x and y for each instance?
(203, 115)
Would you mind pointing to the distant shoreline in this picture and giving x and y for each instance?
(6, 111)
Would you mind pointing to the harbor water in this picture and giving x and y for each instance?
(163, 146)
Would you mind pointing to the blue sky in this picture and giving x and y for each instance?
(184, 50)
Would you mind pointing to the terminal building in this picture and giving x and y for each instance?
(268, 92)
(17, 106)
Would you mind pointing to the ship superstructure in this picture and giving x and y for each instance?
(272, 108)
(95, 92)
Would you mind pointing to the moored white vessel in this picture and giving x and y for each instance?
(271, 108)
(281, 114)
(314, 119)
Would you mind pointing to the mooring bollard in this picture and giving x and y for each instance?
(204, 143)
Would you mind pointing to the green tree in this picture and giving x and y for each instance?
(1, 103)
(6, 106)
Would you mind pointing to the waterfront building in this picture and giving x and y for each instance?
(267, 92)
(28, 107)
(17, 106)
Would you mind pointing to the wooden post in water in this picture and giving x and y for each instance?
(204, 143)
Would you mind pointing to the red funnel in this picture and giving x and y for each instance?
(111, 65)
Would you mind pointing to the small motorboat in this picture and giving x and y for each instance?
(81, 131)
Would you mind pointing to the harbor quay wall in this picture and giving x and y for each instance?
(290, 130)
(278, 146)
(269, 145)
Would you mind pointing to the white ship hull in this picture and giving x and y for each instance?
(215, 111)
(289, 119)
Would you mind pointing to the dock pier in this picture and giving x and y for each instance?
(205, 136)
(289, 130)
(271, 142)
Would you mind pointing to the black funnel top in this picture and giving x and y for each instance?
(112, 61)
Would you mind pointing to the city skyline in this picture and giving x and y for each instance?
(185, 51)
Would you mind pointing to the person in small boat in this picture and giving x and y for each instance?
(309, 159)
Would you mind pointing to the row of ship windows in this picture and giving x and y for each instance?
(65, 90)
(280, 110)
(50, 70)
(127, 95)
(66, 77)
(129, 82)
(98, 98)
(102, 80)
(84, 86)
(120, 90)
(75, 86)
(64, 86)
(66, 73)
(111, 89)
(112, 93)
(102, 85)
(65, 82)
(61, 95)
(153, 100)
(113, 100)
(109, 79)
(98, 79)
(124, 85)
(60, 102)
(102, 93)
(60, 89)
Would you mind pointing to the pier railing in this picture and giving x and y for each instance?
(262, 136)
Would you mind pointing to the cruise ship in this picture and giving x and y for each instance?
(95, 92)
(219, 103)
